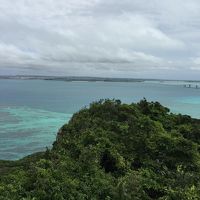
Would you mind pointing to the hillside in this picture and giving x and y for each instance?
(110, 151)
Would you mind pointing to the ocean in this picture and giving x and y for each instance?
(32, 111)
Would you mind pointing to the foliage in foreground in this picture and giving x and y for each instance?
(112, 151)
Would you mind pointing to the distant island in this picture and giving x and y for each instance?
(112, 150)
(88, 78)
(73, 78)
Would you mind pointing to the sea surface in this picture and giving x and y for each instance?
(32, 111)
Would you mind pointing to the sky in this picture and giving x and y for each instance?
(108, 38)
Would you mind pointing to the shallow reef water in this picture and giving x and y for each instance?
(25, 130)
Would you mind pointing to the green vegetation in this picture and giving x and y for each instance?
(112, 151)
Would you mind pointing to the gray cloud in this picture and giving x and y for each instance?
(130, 38)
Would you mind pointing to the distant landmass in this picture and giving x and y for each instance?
(84, 78)
(73, 78)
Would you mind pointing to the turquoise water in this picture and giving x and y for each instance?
(26, 130)
(32, 111)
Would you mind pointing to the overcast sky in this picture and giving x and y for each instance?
(112, 38)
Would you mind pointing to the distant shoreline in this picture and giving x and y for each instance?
(83, 78)
(74, 78)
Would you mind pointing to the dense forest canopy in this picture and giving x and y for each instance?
(110, 151)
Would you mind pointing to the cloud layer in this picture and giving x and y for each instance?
(129, 38)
